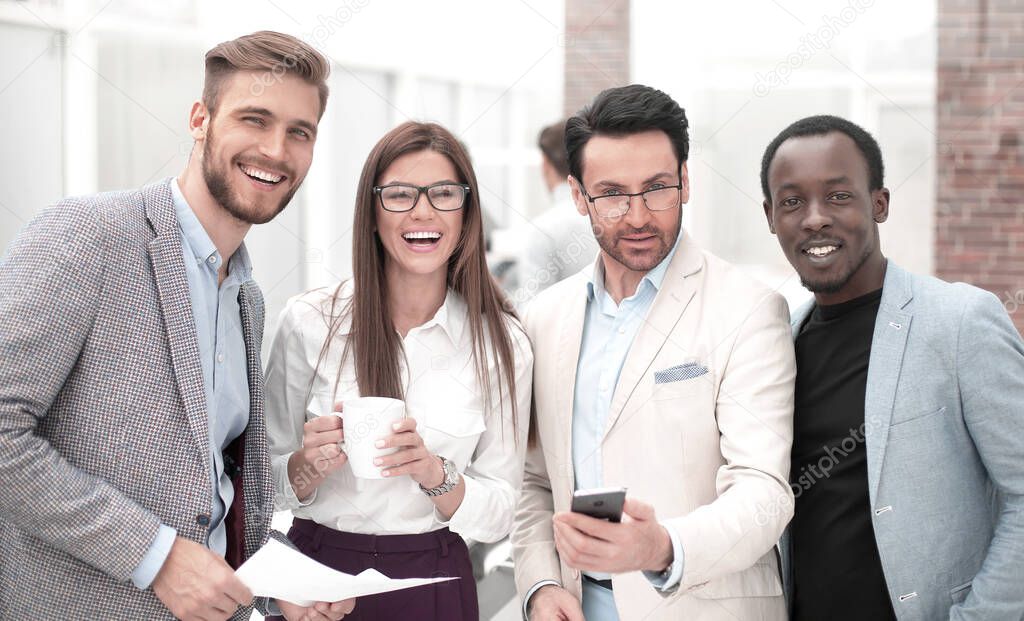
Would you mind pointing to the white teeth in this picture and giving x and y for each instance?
(262, 175)
(820, 251)
(422, 235)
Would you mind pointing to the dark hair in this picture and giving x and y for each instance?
(819, 126)
(551, 142)
(626, 110)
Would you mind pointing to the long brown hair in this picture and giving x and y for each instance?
(373, 340)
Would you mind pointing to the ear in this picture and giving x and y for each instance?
(684, 179)
(198, 120)
(577, 196)
(880, 205)
(767, 205)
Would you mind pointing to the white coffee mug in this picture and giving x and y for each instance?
(366, 420)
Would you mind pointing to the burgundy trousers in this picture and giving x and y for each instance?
(430, 555)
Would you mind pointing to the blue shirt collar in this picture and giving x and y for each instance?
(653, 278)
(240, 266)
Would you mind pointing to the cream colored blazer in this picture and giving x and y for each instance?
(700, 426)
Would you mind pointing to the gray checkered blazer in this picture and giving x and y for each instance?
(103, 424)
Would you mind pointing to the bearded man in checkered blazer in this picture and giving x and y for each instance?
(133, 448)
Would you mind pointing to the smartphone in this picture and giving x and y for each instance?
(603, 503)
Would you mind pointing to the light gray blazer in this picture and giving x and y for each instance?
(103, 422)
(944, 428)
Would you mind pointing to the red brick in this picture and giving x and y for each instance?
(979, 223)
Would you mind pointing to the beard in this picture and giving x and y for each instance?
(608, 240)
(835, 285)
(222, 191)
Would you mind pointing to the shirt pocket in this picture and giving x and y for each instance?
(454, 433)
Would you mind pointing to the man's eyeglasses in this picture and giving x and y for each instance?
(443, 196)
(615, 205)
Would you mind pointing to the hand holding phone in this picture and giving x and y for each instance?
(603, 503)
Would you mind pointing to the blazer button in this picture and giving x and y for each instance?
(203, 520)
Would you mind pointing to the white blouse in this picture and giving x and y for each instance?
(442, 394)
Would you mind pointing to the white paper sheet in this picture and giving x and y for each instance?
(283, 573)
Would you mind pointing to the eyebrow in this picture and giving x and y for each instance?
(615, 184)
(267, 113)
(397, 182)
(832, 181)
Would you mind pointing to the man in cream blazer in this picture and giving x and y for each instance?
(664, 370)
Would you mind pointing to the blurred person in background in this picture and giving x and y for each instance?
(908, 438)
(132, 437)
(422, 321)
(557, 243)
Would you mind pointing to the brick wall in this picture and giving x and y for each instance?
(596, 49)
(980, 131)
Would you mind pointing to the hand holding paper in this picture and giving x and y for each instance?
(282, 573)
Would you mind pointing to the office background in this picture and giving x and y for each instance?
(95, 96)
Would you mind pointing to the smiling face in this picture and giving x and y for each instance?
(826, 216)
(639, 240)
(420, 241)
(257, 148)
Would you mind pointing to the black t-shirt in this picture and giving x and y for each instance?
(836, 571)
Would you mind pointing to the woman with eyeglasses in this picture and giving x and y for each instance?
(421, 321)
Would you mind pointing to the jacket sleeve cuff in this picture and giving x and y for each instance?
(529, 594)
(147, 569)
(669, 579)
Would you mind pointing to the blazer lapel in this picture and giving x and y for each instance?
(675, 294)
(165, 253)
(800, 316)
(570, 341)
(256, 494)
(888, 345)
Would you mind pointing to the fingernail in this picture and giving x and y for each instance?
(379, 443)
(396, 426)
(385, 473)
(378, 461)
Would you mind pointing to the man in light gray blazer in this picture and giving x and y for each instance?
(133, 448)
(908, 450)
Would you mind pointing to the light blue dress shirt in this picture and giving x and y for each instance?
(223, 357)
(608, 332)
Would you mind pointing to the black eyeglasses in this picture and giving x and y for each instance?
(616, 205)
(443, 196)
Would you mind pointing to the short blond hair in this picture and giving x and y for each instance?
(273, 52)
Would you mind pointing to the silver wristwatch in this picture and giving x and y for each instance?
(451, 479)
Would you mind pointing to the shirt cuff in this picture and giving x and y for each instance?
(273, 610)
(669, 579)
(466, 520)
(147, 569)
(285, 499)
(529, 594)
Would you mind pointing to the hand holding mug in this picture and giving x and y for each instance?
(412, 457)
(320, 454)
